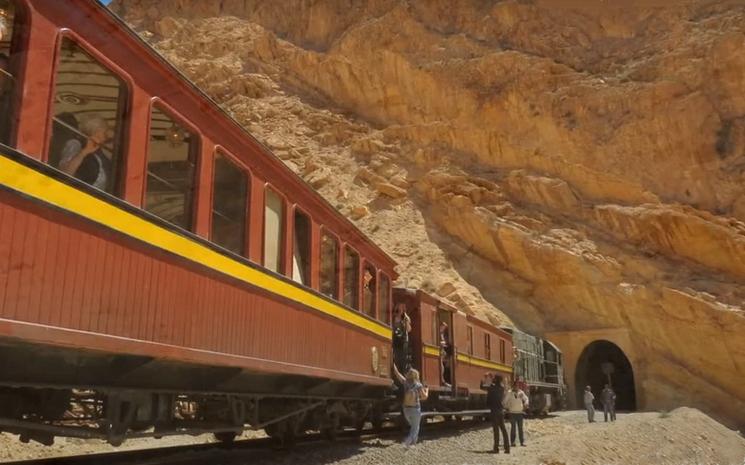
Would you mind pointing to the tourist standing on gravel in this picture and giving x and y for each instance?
(494, 400)
(516, 402)
(608, 398)
(589, 398)
(414, 393)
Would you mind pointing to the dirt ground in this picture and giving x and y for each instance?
(682, 437)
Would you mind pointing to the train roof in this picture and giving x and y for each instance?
(380, 253)
(512, 330)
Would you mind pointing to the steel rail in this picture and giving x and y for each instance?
(199, 454)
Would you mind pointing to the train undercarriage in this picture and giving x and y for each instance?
(41, 413)
(47, 392)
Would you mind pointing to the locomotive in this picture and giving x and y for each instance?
(163, 273)
(538, 369)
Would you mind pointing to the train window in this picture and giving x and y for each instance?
(171, 168)
(351, 278)
(90, 105)
(274, 225)
(301, 248)
(369, 291)
(329, 266)
(469, 336)
(229, 200)
(487, 346)
(10, 52)
(502, 354)
(384, 293)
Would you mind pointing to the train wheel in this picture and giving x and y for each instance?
(360, 426)
(331, 429)
(226, 437)
(377, 420)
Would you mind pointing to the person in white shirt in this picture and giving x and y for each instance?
(589, 398)
(516, 402)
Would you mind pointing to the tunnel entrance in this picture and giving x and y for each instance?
(603, 362)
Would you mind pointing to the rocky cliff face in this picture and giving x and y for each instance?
(567, 165)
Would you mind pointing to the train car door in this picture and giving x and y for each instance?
(407, 301)
(415, 337)
(446, 342)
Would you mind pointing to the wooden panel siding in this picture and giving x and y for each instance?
(116, 287)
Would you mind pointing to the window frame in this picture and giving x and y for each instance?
(324, 230)
(198, 165)
(222, 151)
(358, 307)
(487, 346)
(283, 233)
(365, 263)
(294, 210)
(125, 132)
(502, 350)
(382, 274)
(469, 339)
(20, 38)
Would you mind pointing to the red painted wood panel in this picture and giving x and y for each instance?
(7, 219)
(84, 280)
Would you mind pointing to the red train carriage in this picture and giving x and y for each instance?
(159, 268)
(453, 358)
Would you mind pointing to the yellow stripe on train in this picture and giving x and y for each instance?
(479, 362)
(475, 361)
(47, 189)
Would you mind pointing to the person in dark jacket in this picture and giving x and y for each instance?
(608, 398)
(494, 396)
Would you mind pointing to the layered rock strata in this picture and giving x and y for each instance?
(562, 164)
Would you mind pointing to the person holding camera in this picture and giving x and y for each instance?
(414, 393)
(494, 400)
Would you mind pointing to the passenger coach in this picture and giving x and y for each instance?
(160, 268)
(453, 351)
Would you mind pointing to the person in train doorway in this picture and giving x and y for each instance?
(86, 160)
(589, 399)
(414, 393)
(608, 398)
(494, 400)
(516, 403)
(401, 330)
(446, 351)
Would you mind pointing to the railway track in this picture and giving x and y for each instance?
(239, 451)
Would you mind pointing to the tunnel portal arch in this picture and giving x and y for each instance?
(592, 370)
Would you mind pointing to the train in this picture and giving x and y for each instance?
(538, 370)
(163, 273)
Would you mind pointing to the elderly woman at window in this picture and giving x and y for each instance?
(86, 160)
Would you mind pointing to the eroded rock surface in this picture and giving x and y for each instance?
(559, 164)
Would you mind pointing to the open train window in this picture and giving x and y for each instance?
(10, 54)
(502, 354)
(487, 346)
(171, 168)
(90, 107)
(369, 291)
(329, 266)
(301, 248)
(469, 336)
(351, 278)
(384, 297)
(274, 225)
(229, 200)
